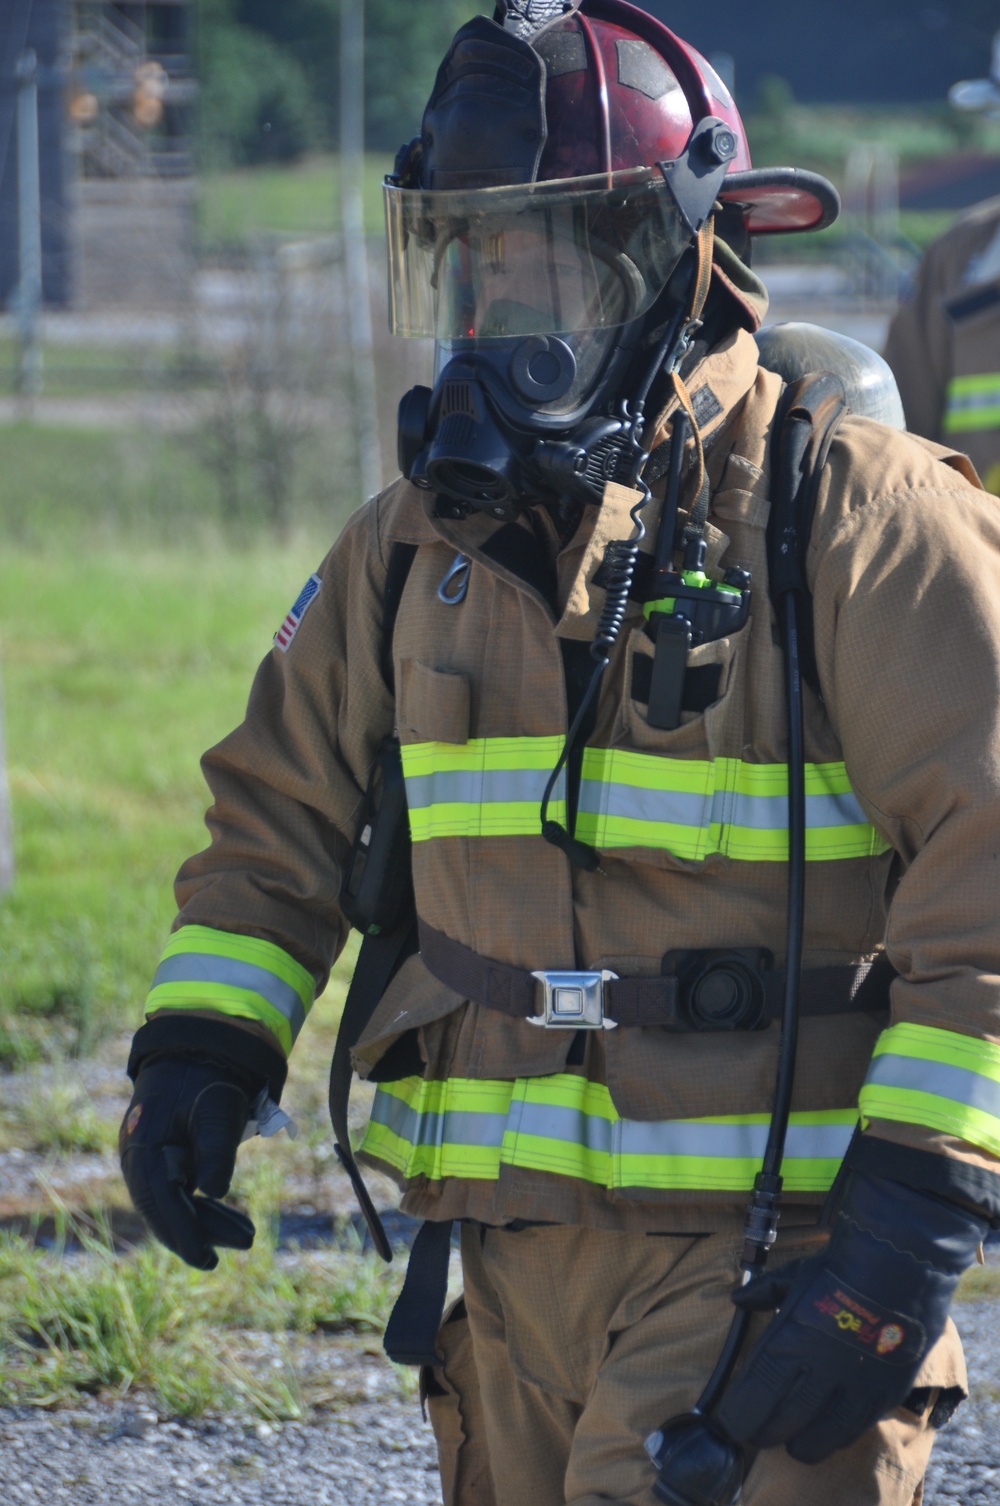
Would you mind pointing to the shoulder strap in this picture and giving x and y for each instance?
(401, 557)
(381, 956)
(806, 421)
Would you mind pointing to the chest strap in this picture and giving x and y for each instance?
(715, 990)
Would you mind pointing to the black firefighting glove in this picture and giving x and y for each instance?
(854, 1321)
(200, 1085)
(180, 1132)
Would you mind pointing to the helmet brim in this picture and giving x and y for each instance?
(781, 200)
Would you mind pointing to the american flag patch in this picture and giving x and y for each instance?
(290, 626)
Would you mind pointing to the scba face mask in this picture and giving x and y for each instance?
(539, 232)
(537, 297)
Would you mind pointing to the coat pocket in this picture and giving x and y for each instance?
(712, 713)
(432, 705)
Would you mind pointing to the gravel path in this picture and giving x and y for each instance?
(367, 1445)
(965, 1464)
(90, 1455)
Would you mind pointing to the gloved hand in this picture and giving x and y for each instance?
(855, 1320)
(181, 1131)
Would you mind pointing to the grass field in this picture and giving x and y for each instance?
(129, 639)
(131, 625)
(237, 206)
(102, 1321)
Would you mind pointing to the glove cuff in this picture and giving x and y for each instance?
(192, 1036)
(917, 1224)
(958, 1182)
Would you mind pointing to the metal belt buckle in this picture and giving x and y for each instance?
(573, 1001)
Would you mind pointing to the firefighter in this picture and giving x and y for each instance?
(576, 1058)
(944, 341)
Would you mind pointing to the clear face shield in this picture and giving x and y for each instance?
(569, 257)
(528, 292)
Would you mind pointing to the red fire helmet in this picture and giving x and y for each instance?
(622, 90)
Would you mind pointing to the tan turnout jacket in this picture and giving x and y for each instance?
(944, 343)
(905, 572)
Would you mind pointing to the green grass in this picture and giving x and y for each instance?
(821, 136)
(106, 370)
(132, 618)
(979, 1281)
(241, 205)
(101, 1322)
(131, 624)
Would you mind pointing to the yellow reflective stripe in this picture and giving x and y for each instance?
(487, 787)
(253, 949)
(439, 1129)
(567, 1126)
(920, 1074)
(478, 753)
(242, 976)
(694, 807)
(238, 1003)
(690, 807)
(973, 402)
(581, 1109)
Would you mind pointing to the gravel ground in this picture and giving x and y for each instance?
(365, 1440)
(367, 1444)
(965, 1464)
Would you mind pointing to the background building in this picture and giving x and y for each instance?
(115, 103)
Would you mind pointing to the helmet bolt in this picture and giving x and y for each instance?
(721, 144)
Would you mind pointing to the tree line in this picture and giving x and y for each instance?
(269, 73)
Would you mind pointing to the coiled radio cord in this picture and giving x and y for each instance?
(620, 557)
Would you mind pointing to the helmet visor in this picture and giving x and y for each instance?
(534, 259)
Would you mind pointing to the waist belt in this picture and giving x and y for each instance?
(708, 990)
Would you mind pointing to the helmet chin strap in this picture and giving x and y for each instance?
(671, 359)
(699, 293)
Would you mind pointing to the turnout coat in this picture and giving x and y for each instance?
(479, 1112)
(944, 343)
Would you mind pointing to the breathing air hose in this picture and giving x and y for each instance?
(698, 1464)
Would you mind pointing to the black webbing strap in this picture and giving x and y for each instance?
(401, 557)
(651, 1000)
(412, 1330)
(379, 959)
(807, 419)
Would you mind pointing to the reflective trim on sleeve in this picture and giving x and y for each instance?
(947, 1081)
(972, 403)
(243, 976)
(568, 1126)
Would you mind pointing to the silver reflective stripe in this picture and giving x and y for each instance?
(770, 812)
(674, 1137)
(207, 967)
(475, 787)
(722, 808)
(940, 1078)
(736, 1141)
(453, 1127)
(985, 397)
(675, 807)
(570, 1126)
(594, 1132)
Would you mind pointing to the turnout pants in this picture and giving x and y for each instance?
(571, 1345)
